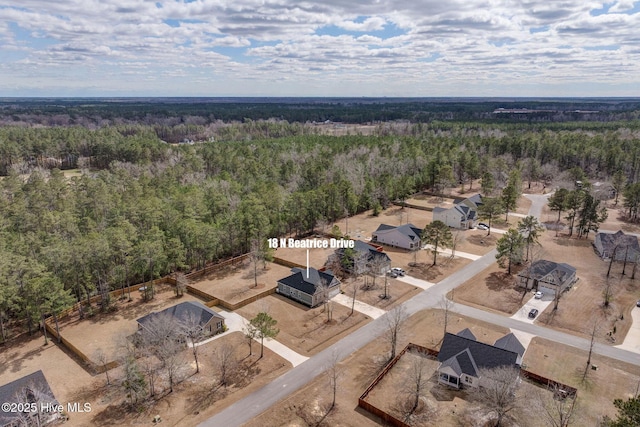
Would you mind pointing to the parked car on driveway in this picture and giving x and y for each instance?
(533, 313)
(482, 226)
(538, 295)
(638, 303)
(392, 274)
(398, 271)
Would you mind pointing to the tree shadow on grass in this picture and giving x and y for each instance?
(499, 281)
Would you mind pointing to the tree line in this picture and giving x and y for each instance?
(142, 208)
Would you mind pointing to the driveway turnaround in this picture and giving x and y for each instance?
(369, 310)
(539, 304)
(632, 340)
(466, 255)
(416, 282)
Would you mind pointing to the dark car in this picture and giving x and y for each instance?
(533, 313)
(638, 303)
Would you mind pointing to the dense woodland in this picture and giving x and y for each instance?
(143, 208)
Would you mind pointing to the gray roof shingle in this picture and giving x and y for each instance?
(484, 355)
(10, 393)
(299, 280)
(184, 311)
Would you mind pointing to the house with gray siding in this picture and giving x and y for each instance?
(406, 236)
(619, 245)
(548, 277)
(309, 287)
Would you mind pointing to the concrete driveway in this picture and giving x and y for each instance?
(632, 340)
(540, 304)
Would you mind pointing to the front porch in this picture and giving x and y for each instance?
(449, 380)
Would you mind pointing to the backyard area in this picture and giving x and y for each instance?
(303, 329)
(236, 283)
(108, 331)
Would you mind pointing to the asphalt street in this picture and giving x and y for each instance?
(260, 400)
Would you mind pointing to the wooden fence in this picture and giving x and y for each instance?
(216, 267)
(113, 295)
(375, 410)
(564, 388)
(412, 206)
(287, 263)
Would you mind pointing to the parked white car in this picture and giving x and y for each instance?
(400, 272)
(539, 295)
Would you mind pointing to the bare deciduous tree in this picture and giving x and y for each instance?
(395, 321)
(101, 357)
(250, 333)
(593, 331)
(413, 392)
(192, 330)
(226, 362)
(558, 409)
(445, 304)
(497, 394)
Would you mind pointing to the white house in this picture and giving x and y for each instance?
(462, 358)
(406, 236)
(463, 213)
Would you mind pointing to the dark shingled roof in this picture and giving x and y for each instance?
(466, 333)
(461, 363)
(511, 343)
(611, 240)
(409, 230)
(298, 280)
(552, 272)
(183, 311)
(484, 355)
(36, 382)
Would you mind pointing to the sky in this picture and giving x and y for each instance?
(369, 48)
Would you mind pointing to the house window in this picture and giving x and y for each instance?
(468, 380)
(219, 325)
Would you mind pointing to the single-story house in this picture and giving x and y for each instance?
(462, 358)
(211, 322)
(623, 245)
(308, 288)
(463, 213)
(374, 260)
(406, 236)
(548, 276)
(30, 389)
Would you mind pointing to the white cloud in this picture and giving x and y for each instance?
(109, 45)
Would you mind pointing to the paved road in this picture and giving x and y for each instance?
(260, 400)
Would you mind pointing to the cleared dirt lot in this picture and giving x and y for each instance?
(397, 291)
(492, 289)
(236, 283)
(612, 379)
(303, 329)
(106, 331)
